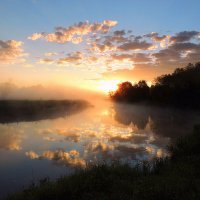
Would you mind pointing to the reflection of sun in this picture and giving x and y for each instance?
(108, 85)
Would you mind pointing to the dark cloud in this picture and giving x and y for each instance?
(184, 36)
(185, 47)
(167, 55)
(135, 45)
(155, 36)
(119, 33)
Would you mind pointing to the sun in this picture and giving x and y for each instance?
(108, 85)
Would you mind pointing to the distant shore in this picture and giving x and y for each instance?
(34, 110)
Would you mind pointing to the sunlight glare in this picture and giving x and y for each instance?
(108, 85)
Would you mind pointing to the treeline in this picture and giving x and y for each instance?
(181, 88)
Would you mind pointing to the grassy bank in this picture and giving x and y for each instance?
(34, 110)
(177, 177)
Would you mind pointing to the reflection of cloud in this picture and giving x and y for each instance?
(51, 139)
(100, 147)
(127, 151)
(132, 138)
(156, 152)
(10, 138)
(89, 133)
(70, 134)
(61, 157)
(32, 155)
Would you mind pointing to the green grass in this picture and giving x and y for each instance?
(173, 178)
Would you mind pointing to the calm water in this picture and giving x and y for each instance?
(30, 151)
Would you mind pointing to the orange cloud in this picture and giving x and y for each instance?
(11, 51)
(74, 33)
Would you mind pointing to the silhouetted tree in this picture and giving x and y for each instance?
(181, 88)
(127, 92)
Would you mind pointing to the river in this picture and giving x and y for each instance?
(106, 132)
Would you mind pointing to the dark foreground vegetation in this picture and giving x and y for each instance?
(28, 110)
(179, 89)
(174, 178)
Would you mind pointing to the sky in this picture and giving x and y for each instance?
(95, 44)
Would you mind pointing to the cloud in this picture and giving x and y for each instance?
(46, 61)
(121, 54)
(178, 55)
(74, 33)
(184, 36)
(134, 57)
(136, 45)
(139, 72)
(74, 57)
(185, 47)
(103, 47)
(60, 157)
(11, 51)
(35, 36)
(49, 54)
(167, 55)
(163, 40)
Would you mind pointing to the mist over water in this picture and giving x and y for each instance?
(11, 90)
(105, 132)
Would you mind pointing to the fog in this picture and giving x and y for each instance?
(10, 91)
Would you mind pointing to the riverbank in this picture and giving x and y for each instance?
(34, 110)
(176, 177)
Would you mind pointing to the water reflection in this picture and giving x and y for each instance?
(60, 157)
(162, 121)
(10, 138)
(102, 133)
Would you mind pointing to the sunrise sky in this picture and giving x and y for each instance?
(95, 44)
